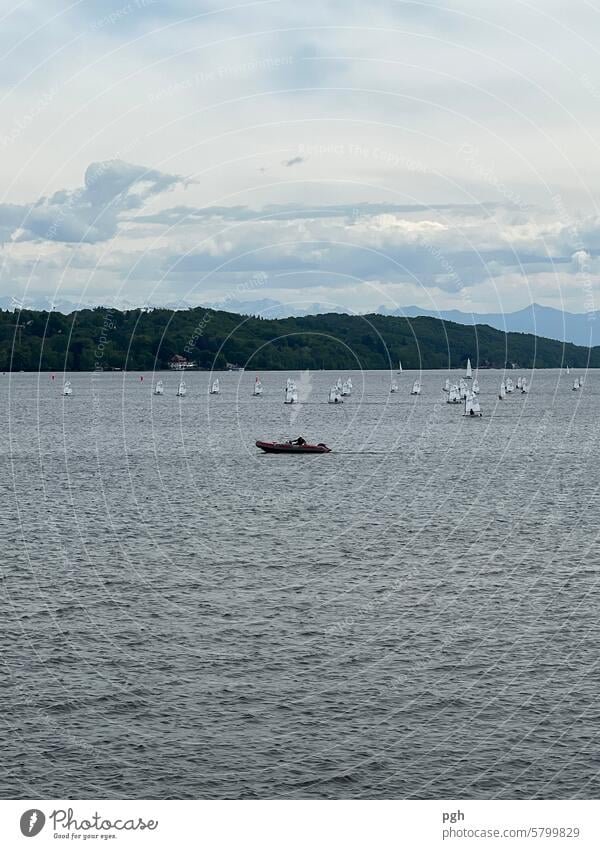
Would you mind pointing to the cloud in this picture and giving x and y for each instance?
(91, 213)
(295, 160)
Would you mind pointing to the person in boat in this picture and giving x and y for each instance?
(299, 441)
(471, 412)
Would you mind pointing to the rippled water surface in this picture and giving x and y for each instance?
(413, 615)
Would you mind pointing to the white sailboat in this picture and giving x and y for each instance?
(510, 386)
(446, 386)
(580, 382)
(393, 386)
(399, 366)
(462, 389)
(502, 393)
(524, 386)
(576, 384)
(472, 408)
(258, 388)
(416, 388)
(215, 388)
(350, 385)
(346, 389)
(469, 372)
(339, 383)
(67, 388)
(181, 389)
(159, 388)
(453, 395)
(568, 370)
(476, 386)
(335, 396)
(519, 383)
(291, 393)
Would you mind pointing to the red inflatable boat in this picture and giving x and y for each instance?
(292, 448)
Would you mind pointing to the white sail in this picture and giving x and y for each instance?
(181, 389)
(502, 393)
(519, 383)
(400, 366)
(446, 386)
(469, 372)
(581, 381)
(453, 395)
(346, 390)
(159, 388)
(335, 397)
(258, 387)
(67, 388)
(476, 386)
(291, 394)
(510, 386)
(462, 389)
(576, 384)
(568, 370)
(416, 388)
(393, 386)
(215, 388)
(350, 385)
(524, 386)
(472, 407)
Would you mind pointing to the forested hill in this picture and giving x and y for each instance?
(137, 339)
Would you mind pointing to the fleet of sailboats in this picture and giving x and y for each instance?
(456, 393)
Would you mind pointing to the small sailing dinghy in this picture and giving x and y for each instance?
(446, 386)
(453, 395)
(568, 370)
(524, 386)
(159, 389)
(576, 384)
(416, 388)
(339, 384)
(472, 408)
(399, 366)
(215, 388)
(258, 388)
(291, 393)
(462, 389)
(335, 396)
(510, 386)
(393, 386)
(296, 446)
(67, 388)
(475, 386)
(502, 393)
(181, 389)
(346, 390)
(469, 372)
(519, 383)
(580, 382)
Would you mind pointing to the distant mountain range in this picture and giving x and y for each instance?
(547, 322)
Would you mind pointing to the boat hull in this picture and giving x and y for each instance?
(287, 448)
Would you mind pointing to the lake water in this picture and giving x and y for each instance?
(412, 615)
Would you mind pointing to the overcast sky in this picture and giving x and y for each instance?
(352, 154)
